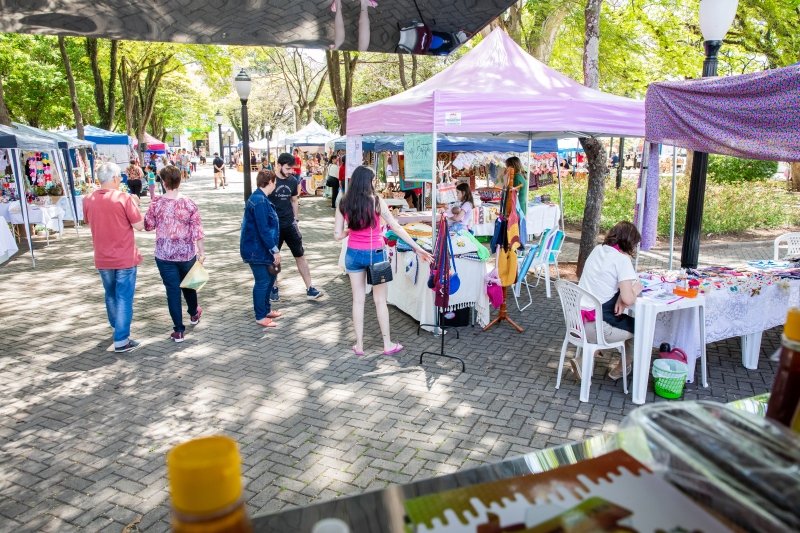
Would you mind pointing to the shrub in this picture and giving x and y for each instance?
(725, 169)
(769, 206)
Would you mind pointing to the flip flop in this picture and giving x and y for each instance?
(396, 349)
(274, 314)
(266, 323)
(358, 353)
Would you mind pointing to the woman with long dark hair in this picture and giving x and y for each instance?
(515, 174)
(359, 218)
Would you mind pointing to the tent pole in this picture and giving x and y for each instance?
(527, 175)
(560, 194)
(16, 154)
(672, 207)
(641, 197)
(65, 183)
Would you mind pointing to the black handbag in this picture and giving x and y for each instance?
(378, 273)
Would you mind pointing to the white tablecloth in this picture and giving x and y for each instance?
(51, 216)
(539, 218)
(416, 299)
(64, 204)
(8, 246)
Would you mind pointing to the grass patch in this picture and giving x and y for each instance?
(729, 208)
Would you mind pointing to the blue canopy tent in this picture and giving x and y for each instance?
(15, 141)
(116, 147)
(450, 143)
(68, 145)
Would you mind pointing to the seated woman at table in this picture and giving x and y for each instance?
(359, 218)
(609, 275)
(459, 215)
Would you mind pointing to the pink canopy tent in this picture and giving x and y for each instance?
(153, 144)
(498, 88)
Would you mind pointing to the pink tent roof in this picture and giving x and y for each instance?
(498, 88)
(152, 143)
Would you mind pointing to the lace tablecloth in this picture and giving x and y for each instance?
(728, 314)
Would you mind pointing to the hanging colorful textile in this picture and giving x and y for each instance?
(439, 280)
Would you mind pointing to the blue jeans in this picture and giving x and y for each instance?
(261, 289)
(359, 260)
(172, 272)
(119, 286)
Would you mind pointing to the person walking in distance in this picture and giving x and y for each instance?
(219, 171)
(285, 199)
(112, 216)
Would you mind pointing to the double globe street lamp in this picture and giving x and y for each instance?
(716, 17)
(243, 85)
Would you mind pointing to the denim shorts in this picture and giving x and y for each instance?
(359, 260)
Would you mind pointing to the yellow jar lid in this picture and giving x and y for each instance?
(792, 327)
(204, 474)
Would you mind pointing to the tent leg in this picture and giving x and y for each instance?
(15, 156)
(672, 207)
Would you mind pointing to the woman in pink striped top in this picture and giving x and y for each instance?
(179, 243)
(359, 218)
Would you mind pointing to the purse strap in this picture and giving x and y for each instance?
(452, 257)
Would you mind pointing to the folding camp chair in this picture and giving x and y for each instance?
(542, 268)
(539, 258)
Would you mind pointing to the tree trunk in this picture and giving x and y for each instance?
(5, 116)
(99, 88)
(112, 84)
(401, 66)
(795, 170)
(341, 91)
(105, 109)
(596, 157)
(73, 94)
(551, 27)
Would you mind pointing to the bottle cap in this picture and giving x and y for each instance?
(204, 474)
(792, 327)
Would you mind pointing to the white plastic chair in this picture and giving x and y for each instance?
(792, 242)
(571, 296)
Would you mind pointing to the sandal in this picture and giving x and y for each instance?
(396, 349)
(615, 373)
(266, 322)
(575, 366)
(274, 314)
(359, 353)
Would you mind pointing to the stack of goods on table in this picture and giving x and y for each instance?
(709, 279)
(787, 269)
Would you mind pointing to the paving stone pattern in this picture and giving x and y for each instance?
(84, 432)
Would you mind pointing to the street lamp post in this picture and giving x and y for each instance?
(230, 148)
(218, 116)
(716, 17)
(243, 84)
(268, 134)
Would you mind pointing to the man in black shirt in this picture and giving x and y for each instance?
(219, 170)
(285, 199)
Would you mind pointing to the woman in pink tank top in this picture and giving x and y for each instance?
(359, 219)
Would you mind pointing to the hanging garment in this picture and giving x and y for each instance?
(507, 266)
(513, 221)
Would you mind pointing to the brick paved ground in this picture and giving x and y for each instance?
(83, 432)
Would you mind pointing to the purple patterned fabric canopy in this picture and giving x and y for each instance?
(756, 116)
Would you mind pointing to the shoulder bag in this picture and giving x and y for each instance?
(378, 273)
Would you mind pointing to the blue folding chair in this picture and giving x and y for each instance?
(539, 258)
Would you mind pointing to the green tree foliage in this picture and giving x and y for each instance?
(35, 86)
(725, 169)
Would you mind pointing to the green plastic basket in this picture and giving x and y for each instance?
(669, 378)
